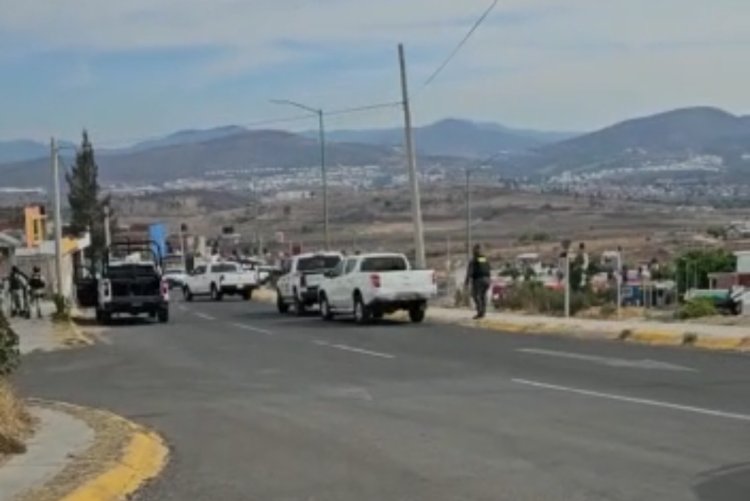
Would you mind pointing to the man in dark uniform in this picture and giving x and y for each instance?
(478, 275)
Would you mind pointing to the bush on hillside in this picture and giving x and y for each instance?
(9, 352)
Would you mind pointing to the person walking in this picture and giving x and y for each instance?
(478, 276)
(37, 285)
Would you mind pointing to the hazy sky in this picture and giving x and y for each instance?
(135, 68)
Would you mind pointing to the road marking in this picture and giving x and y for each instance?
(181, 307)
(205, 316)
(608, 361)
(352, 349)
(634, 400)
(251, 328)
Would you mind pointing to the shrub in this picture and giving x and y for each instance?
(62, 308)
(697, 308)
(9, 352)
(608, 310)
(533, 297)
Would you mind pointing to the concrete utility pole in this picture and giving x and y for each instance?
(57, 215)
(107, 230)
(467, 192)
(416, 204)
(618, 279)
(323, 169)
(566, 252)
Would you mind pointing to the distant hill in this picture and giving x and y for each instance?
(20, 150)
(186, 137)
(243, 150)
(671, 136)
(454, 137)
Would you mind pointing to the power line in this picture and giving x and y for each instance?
(460, 44)
(359, 109)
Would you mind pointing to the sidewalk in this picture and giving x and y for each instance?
(59, 438)
(644, 331)
(42, 334)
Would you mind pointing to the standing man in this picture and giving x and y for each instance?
(37, 285)
(478, 275)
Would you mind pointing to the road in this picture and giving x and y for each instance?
(258, 406)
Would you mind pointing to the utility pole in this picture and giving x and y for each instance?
(107, 231)
(323, 169)
(324, 176)
(467, 192)
(566, 254)
(416, 204)
(183, 229)
(57, 215)
(618, 280)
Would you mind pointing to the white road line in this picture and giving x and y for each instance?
(639, 401)
(250, 328)
(609, 361)
(205, 316)
(355, 350)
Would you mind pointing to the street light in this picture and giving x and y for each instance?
(323, 174)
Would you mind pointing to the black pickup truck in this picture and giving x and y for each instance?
(129, 281)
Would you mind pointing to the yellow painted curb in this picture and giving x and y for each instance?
(656, 337)
(143, 459)
(719, 343)
(79, 334)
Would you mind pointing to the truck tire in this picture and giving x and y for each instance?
(362, 314)
(325, 308)
(163, 315)
(216, 294)
(248, 294)
(280, 304)
(417, 313)
(103, 317)
(187, 294)
(299, 306)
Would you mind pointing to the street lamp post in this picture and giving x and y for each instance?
(323, 171)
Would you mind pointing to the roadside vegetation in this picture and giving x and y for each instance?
(15, 421)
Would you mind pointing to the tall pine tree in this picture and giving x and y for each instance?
(84, 197)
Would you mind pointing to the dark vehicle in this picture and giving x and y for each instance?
(131, 283)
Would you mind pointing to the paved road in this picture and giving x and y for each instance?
(257, 406)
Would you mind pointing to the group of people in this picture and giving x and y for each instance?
(26, 292)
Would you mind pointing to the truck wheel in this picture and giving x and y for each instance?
(103, 317)
(299, 306)
(248, 294)
(325, 308)
(216, 294)
(280, 304)
(187, 294)
(417, 313)
(362, 314)
(163, 315)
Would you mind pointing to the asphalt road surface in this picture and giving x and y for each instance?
(259, 406)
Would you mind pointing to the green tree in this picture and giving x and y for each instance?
(9, 354)
(693, 267)
(84, 197)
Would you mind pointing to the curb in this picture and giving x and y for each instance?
(144, 457)
(141, 457)
(79, 335)
(652, 337)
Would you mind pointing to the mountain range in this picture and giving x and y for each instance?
(664, 138)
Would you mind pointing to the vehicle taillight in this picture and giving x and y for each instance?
(164, 288)
(375, 280)
(303, 281)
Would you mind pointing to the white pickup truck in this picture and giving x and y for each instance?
(303, 274)
(219, 279)
(372, 285)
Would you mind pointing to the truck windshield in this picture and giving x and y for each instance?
(384, 263)
(318, 263)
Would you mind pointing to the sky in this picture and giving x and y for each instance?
(129, 70)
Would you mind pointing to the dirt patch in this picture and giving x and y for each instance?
(16, 423)
(112, 435)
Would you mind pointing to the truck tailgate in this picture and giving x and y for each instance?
(408, 282)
